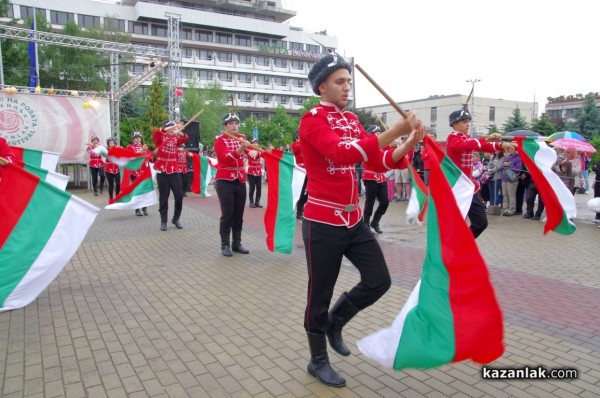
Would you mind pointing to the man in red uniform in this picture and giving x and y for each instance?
(460, 147)
(168, 177)
(138, 147)
(230, 184)
(113, 172)
(255, 177)
(333, 141)
(96, 166)
(6, 153)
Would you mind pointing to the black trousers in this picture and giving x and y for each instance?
(254, 185)
(597, 195)
(359, 174)
(166, 184)
(132, 179)
(477, 216)
(532, 192)
(303, 198)
(114, 181)
(97, 171)
(232, 198)
(325, 246)
(375, 190)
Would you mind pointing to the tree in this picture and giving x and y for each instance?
(367, 118)
(588, 119)
(213, 100)
(516, 122)
(543, 125)
(157, 105)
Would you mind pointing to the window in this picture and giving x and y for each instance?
(205, 75)
(117, 25)
(186, 34)
(298, 100)
(224, 38)
(61, 18)
(187, 52)
(137, 68)
(225, 76)
(297, 83)
(279, 43)
(296, 46)
(433, 114)
(280, 62)
(264, 61)
(280, 99)
(262, 79)
(244, 77)
(187, 73)
(159, 30)
(225, 57)
(384, 117)
(492, 113)
(10, 12)
(314, 48)
(297, 65)
(205, 55)
(263, 98)
(27, 12)
(261, 41)
(244, 59)
(245, 97)
(245, 41)
(138, 28)
(88, 20)
(280, 81)
(203, 35)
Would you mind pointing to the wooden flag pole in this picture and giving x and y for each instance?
(378, 87)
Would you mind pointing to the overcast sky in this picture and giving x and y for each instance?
(519, 49)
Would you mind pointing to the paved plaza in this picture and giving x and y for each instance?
(142, 313)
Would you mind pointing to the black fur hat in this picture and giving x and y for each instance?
(95, 137)
(136, 134)
(457, 116)
(373, 129)
(109, 139)
(230, 117)
(325, 67)
(168, 123)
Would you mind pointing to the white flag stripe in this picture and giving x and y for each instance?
(60, 181)
(68, 234)
(136, 202)
(49, 160)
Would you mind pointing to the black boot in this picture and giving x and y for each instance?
(236, 244)
(145, 211)
(163, 225)
(252, 204)
(375, 226)
(257, 204)
(138, 212)
(226, 250)
(319, 365)
(340, 314)
(177, 224)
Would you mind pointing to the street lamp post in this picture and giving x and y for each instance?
(472, 81)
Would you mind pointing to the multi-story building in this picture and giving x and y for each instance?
(564, 109)
(435, 110)
(248, 46)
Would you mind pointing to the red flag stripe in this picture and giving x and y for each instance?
(16, 189)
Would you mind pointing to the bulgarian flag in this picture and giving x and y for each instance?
(60, 181)
(44, 159)
(452, 314)
(204, 170)
(42, 227)
(417, 204)
(284, 188)
(140, 193)
(122, 157)
(558, 200)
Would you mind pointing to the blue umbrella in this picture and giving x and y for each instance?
(566, 134)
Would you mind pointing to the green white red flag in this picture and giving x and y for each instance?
(452, 314)
(122, 157)
(60, 181)
(42, 227)
(559, 202)
(204, 169)
(140, 193)
(284, 188)
(43, 159)
(417, 204)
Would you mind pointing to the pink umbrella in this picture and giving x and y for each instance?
(566, 143)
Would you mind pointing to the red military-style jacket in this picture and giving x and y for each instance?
(231, 164)
(333, 141)
(95, 159)
(6, 152)
(138, 148)
(255, 165)
(166, 150)
(460, 148)
(182, 161)
(297, 151)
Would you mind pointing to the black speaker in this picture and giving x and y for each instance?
(193, 132)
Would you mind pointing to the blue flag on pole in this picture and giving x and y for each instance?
(32, 66)
(255, 133)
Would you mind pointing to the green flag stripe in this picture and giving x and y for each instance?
(143, 187)
(38, 171)
(451, 171)
(25, 244)
(33, 157)
(286, 221)
(427, 338)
